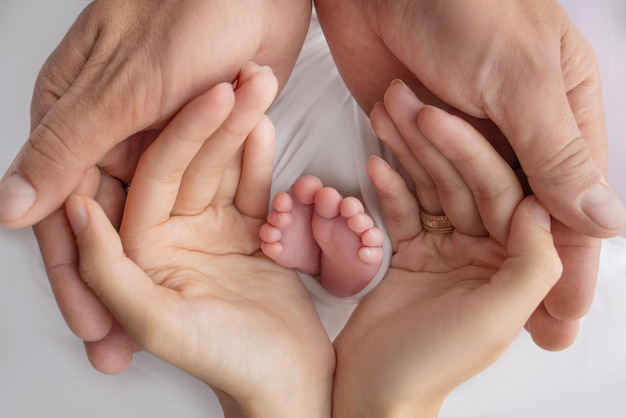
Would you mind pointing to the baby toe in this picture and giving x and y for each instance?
(351, 206)
(269, 234)
(360, 223)
(371, 255)
(373, 237)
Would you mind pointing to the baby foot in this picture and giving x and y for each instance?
(351, 246)
(315, 230)
(287, 237)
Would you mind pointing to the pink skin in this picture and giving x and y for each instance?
(315, 230)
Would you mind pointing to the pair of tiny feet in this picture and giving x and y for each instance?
(314, 229)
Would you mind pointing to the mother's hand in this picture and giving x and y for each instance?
(188, 281)
(451, 303)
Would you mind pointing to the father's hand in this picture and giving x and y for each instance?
(127, 66)
(122, 71)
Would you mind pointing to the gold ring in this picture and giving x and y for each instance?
(437, 224)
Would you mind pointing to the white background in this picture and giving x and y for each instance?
(43, 371)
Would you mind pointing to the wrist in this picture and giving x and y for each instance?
(355, 405)
(303, 396)
(309, 400)
(373, 392)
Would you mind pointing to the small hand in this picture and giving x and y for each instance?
(451, 303)
(190, 283)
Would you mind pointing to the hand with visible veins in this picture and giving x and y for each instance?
(122, 71)
(451, 303)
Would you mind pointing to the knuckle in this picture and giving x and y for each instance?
(47, 92)
(493, 192)
(52, 148)
(450, 186)
(569, 166)
(551, 268)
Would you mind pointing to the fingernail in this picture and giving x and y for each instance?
(17, 196)
(539, 214)
(248, 70)
(245, 65)
(603, 206)
(76, 213)
(380, 161)
(409, 92)
(399, 82)
(241, 76)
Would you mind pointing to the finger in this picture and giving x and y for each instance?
(161, 168)
(112, 354)
(120, 284)
(555, 326)
(387, 130)
(64, 122)
(83, 312)
(111, 197)
(399, 207)
(388, 133)
(256, 89)
(455, 199)
(573, 294)
(494, 187)
(560, 140)
(531, 269)
(227, 183)
(256, 176)
(550, 333)
(85, 315)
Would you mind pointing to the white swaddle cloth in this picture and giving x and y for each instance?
(325, 134)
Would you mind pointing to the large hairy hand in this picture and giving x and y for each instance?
(525, 67)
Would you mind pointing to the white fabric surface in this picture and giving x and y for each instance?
(320, 130)
(44, 372)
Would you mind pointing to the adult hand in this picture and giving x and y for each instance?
(451, 303)
(122, 71)
(188, 281)
(527, 68)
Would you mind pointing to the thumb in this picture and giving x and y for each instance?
(48, 168)
(563, 173)
(119, 283)
(72, 108)
(531, 269)
(68, 142)
(557, 129)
